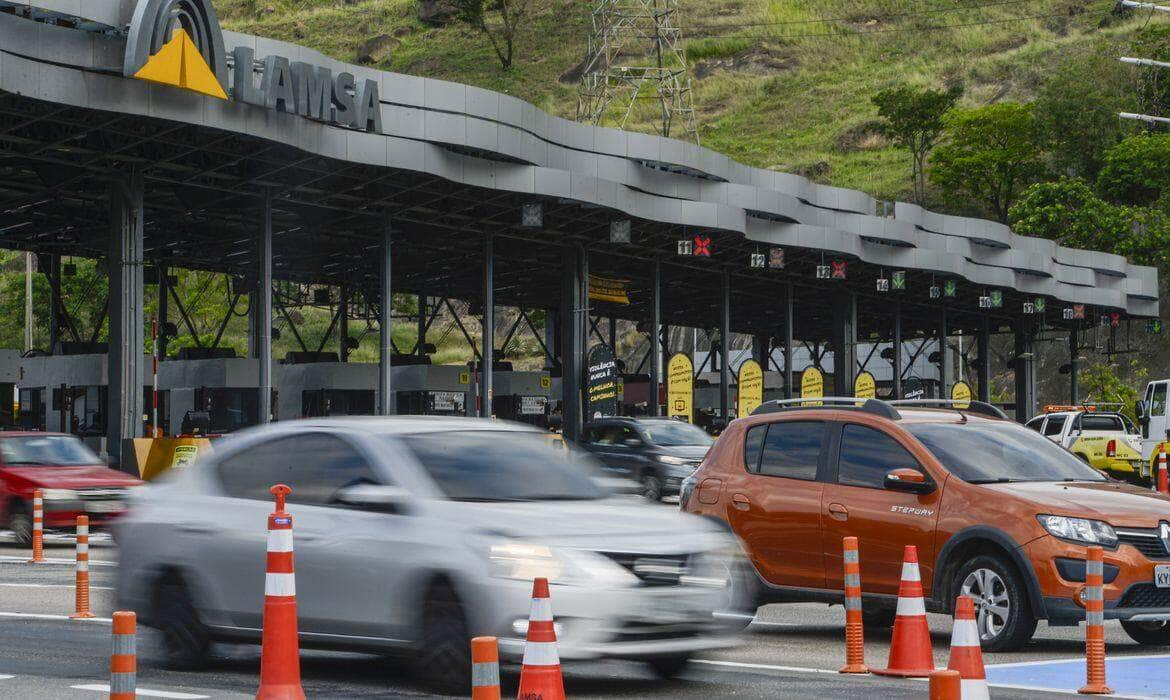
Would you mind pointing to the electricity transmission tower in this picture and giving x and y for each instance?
(636, 55)
(1145, 62)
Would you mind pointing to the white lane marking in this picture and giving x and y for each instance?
(762, 667)
(9, 559)
(144, 692)
(1014, 664)
(1066, 693)
(40, 616)
(53, 585)
(5, 676)
(765, 623)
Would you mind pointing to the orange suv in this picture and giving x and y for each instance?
(997, 511)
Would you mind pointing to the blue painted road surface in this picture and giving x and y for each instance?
(1129, 676)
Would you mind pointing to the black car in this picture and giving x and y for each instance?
(658, 453)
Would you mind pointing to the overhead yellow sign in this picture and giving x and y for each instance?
(751, 388)
(961, 394)
(608, 289)
(180, 64)
(865, 387)
(680, 387)
(812, 386)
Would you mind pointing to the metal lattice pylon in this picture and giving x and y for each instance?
(636, 54)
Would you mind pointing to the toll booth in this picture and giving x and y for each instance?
(225, 387)
(431, 390)
(68, 394)
(520, 395)
(312, 385)
(9, 379)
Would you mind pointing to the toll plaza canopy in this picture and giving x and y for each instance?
(139, 131)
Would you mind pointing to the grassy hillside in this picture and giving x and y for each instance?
(782, 84)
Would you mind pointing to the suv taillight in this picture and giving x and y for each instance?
(1111, 449)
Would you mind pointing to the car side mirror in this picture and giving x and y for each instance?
(908, 480)
(373, 497)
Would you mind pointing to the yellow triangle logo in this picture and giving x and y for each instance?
(180, 64)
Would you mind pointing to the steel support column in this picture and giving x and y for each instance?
(489, 327)
(655, 337)
(343, 323)
(124, 412)
(844, 341)
(788, 333)
(164, 315)
(262, 306)
(725, 349)
(420, 342)
(945, 366)
(386, 403)
(1025, 372)
(570, 316)
(897, 348)
(552, 337)
(1074, 389)
(54, 302)
(984, 350)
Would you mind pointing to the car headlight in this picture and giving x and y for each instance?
(1079, 529)
(59, 494)
(670, 459)
(525, 561)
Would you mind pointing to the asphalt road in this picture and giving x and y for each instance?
(789, 651)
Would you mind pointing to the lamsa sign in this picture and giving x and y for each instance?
(179, 43)
(306, 90)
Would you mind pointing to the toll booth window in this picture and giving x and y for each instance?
(1054, 425)
(315, 465)
(792, 449)
(867, 455)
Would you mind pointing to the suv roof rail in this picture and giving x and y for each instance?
(875, 406)
(980, 407)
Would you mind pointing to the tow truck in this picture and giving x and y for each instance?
(1100, 435)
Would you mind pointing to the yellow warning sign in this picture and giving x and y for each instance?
(961, 395)
(865, 387)
(545, 381)
(680, 387)
(812, 386)
(750, 388)
(465, 377)
(180, 64)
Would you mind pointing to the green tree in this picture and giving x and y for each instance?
(499, 20)
(1103, 383)
(1153, 84)
(912, 118)
(992, 153)
(1137, 170)
(1076, 108)
(1069, 212)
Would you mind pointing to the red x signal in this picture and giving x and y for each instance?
(702, 246)
(838, 269)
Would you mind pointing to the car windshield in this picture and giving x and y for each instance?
(1000, 452)
(46, 451)
(668, 433)
(499, 465)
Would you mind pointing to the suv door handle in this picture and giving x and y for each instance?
(741, 501)
(838, 511)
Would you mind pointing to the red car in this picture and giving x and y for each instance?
(72, 479)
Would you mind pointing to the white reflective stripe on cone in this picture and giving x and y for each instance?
(541, 610)
(974, 689)
(82, 530)
(910, 606)
(280, 541)
(965, 634)
(280, 584)
(541, 654)
(82, 565)
(83, 547)
(485, 675)
(37, 526)
(910, 572)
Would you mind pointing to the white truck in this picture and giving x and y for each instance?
(1105, 439)
(1151, 414)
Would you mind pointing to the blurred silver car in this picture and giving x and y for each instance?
(415, 534)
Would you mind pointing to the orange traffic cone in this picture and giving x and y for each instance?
(280, 661)
(540, 672)
(966, 656)
(485, 669)
(910, 652)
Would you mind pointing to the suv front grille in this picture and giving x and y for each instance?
(1146, 541)
(1145, 595)
(652, 569)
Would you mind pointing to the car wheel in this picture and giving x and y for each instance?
(738, 606)
(1153, 633)
(876, 616)
(20, 522)
(1003, 614)
(444, 656)
(186, 642)
(669, 666)
(652, 488)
